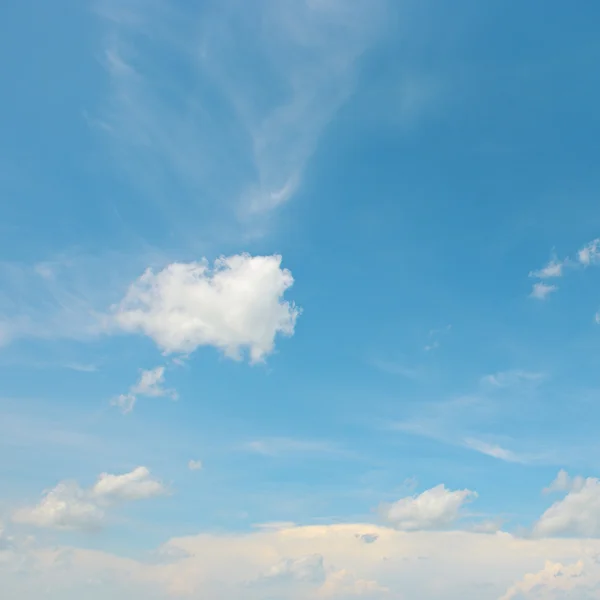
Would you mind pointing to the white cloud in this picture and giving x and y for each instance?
(305, 568)
(68, 506)
(577, 514)
(565, 483)
(553, 269)
(590, 253)
(557, 581)
(195, 465)
(342, 584)
(323, 561)
(540, 291)
(435, 508)
(136, 485)
(236, 305)
(150, 384)
(492, 450)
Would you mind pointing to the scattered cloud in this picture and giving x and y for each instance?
(540, 291)
(590, 253)
(436, 508)
(577, 514)
(68, 506)
(195, 465)
(586, 256)
(553, 269)
(150, 385)
(233, 306)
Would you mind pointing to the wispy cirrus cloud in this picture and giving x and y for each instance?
(234, 135)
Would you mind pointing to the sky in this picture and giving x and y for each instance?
(299, 300)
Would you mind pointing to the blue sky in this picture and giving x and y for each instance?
(341, 254)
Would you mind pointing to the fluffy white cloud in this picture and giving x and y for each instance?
(540, 291)
(195, 465)
(435, 508)
(136, 485)
(236, 305)
(150, 384)
(68, 506)
(577, 514)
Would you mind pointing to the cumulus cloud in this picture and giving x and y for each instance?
(234, 306)
(540, 291)
(68, 506)
(150, 384)
(577, 514)
(136, 485)
(435, 508)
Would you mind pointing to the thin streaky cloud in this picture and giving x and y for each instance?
(256, 146)
(284, 446)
